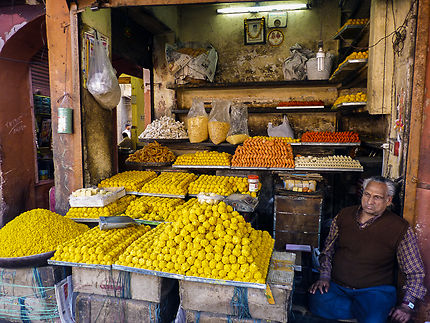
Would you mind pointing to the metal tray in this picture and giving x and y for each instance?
(336, 144)
(350, 105)
(349, 32)
(164, 195)
(304, 107)
(138, 164)
(331, 169)
(202, 166)
(40, 259)
(189, 278)
(78, 264)
(348, 67)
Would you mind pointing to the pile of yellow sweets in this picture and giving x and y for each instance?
(222, 185)
(210, 241)
(97, 246)
(152, 208)
(353, 56)
(36, 231)
(180, 209)
(362, 21)
(357, 97)
(131, 180)
(169, 183)
(203, 158)
(285, 139)
(114, 208)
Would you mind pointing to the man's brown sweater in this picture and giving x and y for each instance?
(366, 257)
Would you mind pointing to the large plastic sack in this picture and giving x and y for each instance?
(197, 122)
(238, 132)
(294, 67)
(191, 61)
(102, 81)
(219, 121)
(283, 130)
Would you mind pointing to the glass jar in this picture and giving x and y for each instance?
(253, 183)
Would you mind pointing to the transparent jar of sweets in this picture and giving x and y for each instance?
(253, 183)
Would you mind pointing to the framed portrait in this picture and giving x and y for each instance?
(255, 31)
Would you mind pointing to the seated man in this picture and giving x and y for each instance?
(358, 261)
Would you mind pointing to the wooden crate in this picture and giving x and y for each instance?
(122, 284)
(297, 219)
(216, 299)
(27, 294)
(285, 237)
(205, 317)
(108, 309)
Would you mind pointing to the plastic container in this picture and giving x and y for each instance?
(253, 183)
(312, 68)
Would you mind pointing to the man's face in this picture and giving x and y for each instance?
(375, 199)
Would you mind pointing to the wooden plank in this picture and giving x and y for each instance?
(380, 67)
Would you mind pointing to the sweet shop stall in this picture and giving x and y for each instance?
(242, 151)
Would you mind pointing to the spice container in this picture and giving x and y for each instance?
(253, 183)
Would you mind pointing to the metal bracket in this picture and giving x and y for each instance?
(425, 186)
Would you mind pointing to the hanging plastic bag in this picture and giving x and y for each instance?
(197, 122)
(238, 132)
(283, 130)
(294, 67)
(102, 80)
(219, 121)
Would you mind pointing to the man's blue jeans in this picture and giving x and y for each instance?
(367, 305)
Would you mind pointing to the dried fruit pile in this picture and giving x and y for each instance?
(169, 183)
(326, 136)
(97, 246)
(204, 158)
(210, 241)
(152, 208)
(152, 153)
(131, 180)
(111, 209)
(264, 152)
(36, 231)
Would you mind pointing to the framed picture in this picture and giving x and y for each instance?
(255, 31)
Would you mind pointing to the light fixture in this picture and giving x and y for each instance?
(254, 9)
(320, 56)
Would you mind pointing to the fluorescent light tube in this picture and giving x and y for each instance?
(278, 7)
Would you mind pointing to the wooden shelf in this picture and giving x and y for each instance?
(349, 32)
(305, 83)
(255, 110)
(347, 68)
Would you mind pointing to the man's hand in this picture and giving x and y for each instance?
(401, 313)
(322, 285)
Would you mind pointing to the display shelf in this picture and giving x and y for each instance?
(189, 278)
(348, 105)
(256, 110)
(301, 107)
(331, 144)
(322, 169)
(201, 166)
(164, 141)
(349, 32)
(347, 68)
(163, 195)
(310, 83)
(78, 264)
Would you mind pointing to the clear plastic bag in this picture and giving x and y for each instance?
(283, 130)
(238, 132)
(219, 121)
(197, 122)
(102, 81)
